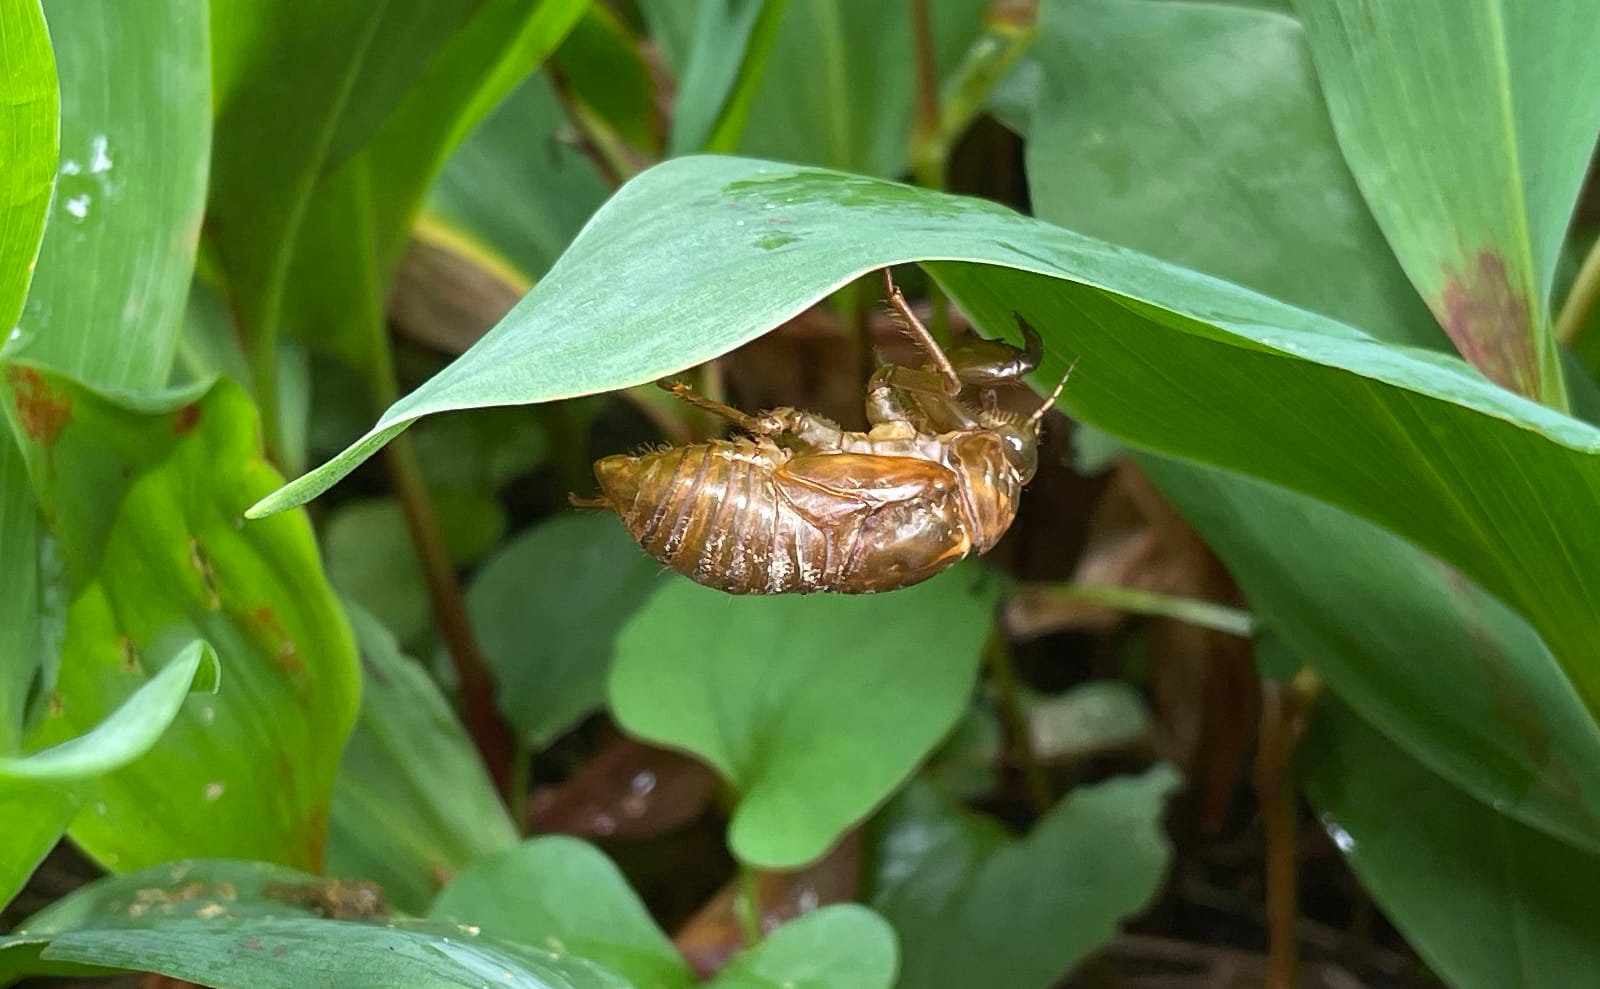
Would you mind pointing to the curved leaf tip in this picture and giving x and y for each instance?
(131, 730)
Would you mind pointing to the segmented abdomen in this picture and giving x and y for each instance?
(713, 513)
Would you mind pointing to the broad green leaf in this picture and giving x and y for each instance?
(174, 891)
(184, 889)
(29, 138)
(285, 87)
(975, 906)
(144, 501)
(128, 732)
(22, 639)
(727, 60)
(130, 190)
(514, 188)
(1486, 902)
(715, 251)
(814, 708)
(255, 926)
(289, 953)
(1506, 725)
(548, 608)
(561, 894)
(844, 946)
(36, 815)
(383, 94)
(1196, 132)
(1469, 125)
(1448, 673)
(412, 803)
(840, 89)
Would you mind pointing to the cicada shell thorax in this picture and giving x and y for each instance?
(991, 486)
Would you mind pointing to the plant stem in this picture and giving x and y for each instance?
(748, 905)
(1205, 614)
(450, 611)
(927, 143)
(1019, 735)
(439, 573)
(521, 773)
(1284, 709)
(1581, 298)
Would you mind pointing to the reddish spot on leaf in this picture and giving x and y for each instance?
(43, 413)
(284, 651)
(1490, 321)
(186, 418)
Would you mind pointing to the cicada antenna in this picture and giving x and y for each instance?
(913, 326)
(1039, 413)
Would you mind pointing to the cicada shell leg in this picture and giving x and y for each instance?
(919, 333)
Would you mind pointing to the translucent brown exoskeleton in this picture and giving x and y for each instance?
(800, 505)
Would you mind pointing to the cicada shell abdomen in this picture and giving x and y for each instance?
(747, 518)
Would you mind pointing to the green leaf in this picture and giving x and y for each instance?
(135, 136)
(412, 802)
(29, 118)
(564, 895)
(814, 708)
(1403, 438)
(975, 906)
(372, 559)
(1196, 132)
(22, 636)
(130, 730)
(384, 95)
(248, 924)
(548, 608)
(514, 188)
(289, 953)
(1469, 125)
(1477, 697)
(727, 60)
(1520, 903)
(36, 815)
(144, 504)
(840, 88)
(844, 946)
(185, 889)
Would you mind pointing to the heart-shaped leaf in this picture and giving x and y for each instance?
(975, 906)
(815, 708)
(548, 608)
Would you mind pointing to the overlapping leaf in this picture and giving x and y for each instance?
(1469, 125)
(1486, 901)
(247, 924)
(564, 895)
(144, 502)
(412, 803)
(974, 905)
(716, 251)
